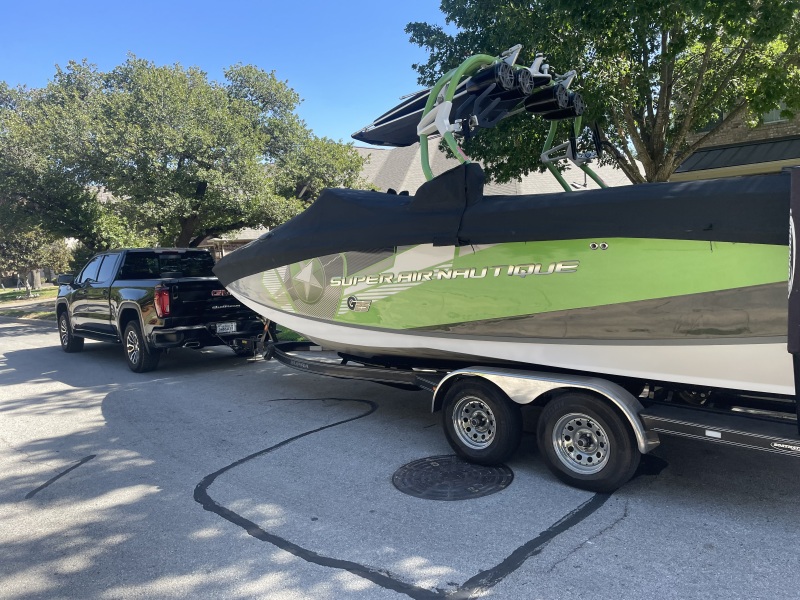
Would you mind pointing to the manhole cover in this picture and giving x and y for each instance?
(450, 478)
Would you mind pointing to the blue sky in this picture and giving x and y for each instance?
(321, 48)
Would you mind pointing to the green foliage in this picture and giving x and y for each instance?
(148, 154)
(25, 250)
(318, 163)
(55, 256)
(19, 251)
(651, 72)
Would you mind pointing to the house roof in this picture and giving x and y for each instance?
(736, 155)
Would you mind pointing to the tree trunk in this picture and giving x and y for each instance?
(188, 226)
(28, 290)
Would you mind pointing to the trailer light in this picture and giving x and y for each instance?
(161, 301)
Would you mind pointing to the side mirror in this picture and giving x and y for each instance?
(66, 279)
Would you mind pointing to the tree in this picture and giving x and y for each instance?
(25, 251)
(653, 72)
(56, 256)
(316, 164)
(151, 154)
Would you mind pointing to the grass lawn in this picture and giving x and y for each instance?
(287, 335)
(35, 311)
(12, 295)
(27, 313)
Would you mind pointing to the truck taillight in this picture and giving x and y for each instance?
(162, 301)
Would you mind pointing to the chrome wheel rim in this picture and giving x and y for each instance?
(474, 423)
(63, 329)
(581, 443)
(132, 347)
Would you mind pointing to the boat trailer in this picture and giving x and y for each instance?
(591, 431)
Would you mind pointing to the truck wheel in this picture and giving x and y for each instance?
(69, 341)
(139, 359)
(586, 444)
(481, 423)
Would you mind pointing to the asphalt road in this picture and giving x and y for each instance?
(219, 477)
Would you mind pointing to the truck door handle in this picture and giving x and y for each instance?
(105, 294)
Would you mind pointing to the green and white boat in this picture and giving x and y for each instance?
(671, 282)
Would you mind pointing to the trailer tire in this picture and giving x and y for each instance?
(481, 423)
(140, 359)
(69, 341)
(586, 444)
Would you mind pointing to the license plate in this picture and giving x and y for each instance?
(226, 327)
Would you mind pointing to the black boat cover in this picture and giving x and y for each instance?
(451, 210)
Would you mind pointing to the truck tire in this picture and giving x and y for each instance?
(586, 444)
(481, 423)
(69, 341)
(140, 359)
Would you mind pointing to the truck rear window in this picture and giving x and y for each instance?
(152, 265)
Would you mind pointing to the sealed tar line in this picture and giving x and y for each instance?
(480, 582)
(82, 461)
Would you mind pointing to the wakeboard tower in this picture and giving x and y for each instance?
(671, 282)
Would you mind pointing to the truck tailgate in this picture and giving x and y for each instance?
(203, 300)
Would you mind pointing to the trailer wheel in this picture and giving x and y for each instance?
(586, 444)
(481, 423)
(139, 359)
(69, 341)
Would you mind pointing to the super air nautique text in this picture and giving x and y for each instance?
(567, 266)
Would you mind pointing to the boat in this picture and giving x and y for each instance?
(679, 283)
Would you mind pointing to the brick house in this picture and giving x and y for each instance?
(220, 246)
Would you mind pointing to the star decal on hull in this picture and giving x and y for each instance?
(308, 280)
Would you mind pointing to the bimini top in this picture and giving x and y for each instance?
(452, 210)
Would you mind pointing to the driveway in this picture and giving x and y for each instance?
(220, 477)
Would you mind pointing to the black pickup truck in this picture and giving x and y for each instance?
(151, 299)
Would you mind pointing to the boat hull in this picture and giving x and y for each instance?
(698, 313)
(681, 283)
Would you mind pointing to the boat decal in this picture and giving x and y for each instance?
(786, 447)
(557, 290)
(309, 280)
(357, 305)
(708, 315)
(438, 274)
(376, 283)
(273, 283)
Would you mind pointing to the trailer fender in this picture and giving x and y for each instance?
(528, 387)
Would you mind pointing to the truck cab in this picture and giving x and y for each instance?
(152, 299)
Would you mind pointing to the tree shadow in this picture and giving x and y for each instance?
(125, 522)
